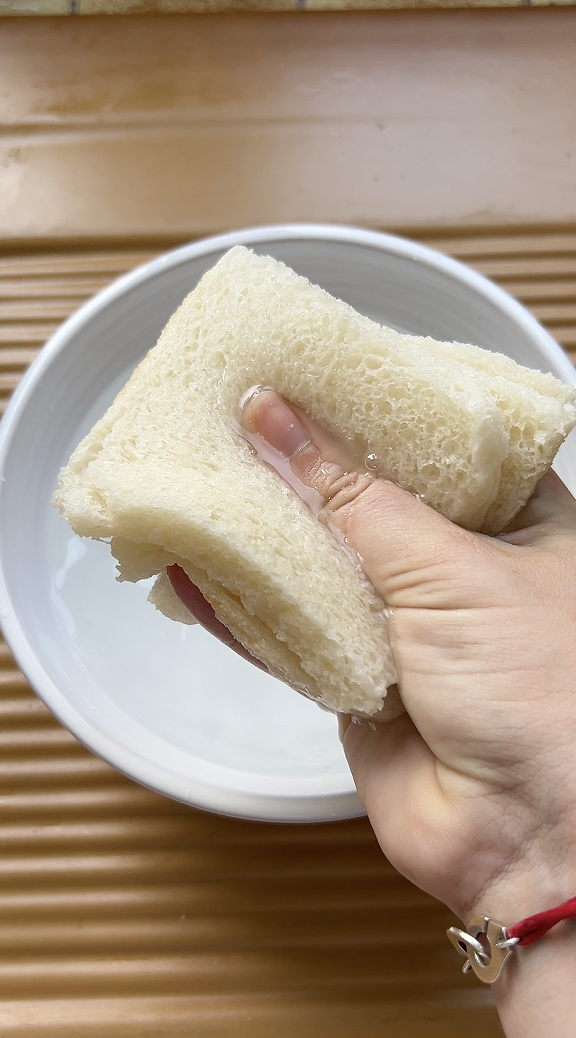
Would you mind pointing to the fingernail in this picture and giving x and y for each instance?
(268, 415)
(251, 393)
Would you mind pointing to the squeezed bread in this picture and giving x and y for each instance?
(167, 476)
(536, 411)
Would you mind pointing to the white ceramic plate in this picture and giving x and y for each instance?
(169, 705)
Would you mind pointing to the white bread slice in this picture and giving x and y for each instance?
(167, 476)
(537, 413)
(164, 597)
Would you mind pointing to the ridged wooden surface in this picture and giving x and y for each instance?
(124, 914)
(182, 126)
(38, 290)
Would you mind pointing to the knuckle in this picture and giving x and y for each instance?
(337, 487)
(346, 489)
(319, 474)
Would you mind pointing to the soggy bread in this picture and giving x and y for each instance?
(536, 411)
(167, 475)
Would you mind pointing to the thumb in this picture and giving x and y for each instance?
(413, 556)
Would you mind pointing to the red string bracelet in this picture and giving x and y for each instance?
(486, 944)
(535, 926)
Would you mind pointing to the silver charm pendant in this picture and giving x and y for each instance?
(485, 945)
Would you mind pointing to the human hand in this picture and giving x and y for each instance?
(472, 795)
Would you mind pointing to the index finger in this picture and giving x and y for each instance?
(550, 512)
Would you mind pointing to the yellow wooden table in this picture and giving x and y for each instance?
(122, 913)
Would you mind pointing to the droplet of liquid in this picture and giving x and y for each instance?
(372, 462)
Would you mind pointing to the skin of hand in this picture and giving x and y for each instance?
(472, 794)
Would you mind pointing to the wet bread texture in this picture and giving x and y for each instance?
(169, 478)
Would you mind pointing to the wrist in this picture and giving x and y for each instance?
(525, 870)
(533, 979)
(522, 891)
(487, 944)
(534, 993)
